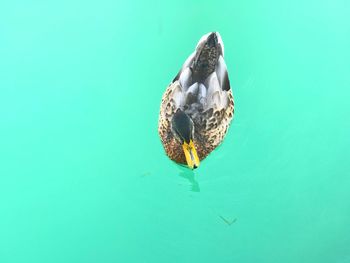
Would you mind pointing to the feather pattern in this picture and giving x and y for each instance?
(202, 90)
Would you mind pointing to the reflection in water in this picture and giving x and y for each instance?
(189, 175)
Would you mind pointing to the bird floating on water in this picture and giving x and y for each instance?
(197, 107)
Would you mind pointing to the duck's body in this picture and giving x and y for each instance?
(197, 107)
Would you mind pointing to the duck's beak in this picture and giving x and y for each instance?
(191, 155)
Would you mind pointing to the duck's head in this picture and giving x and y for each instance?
(183, 130)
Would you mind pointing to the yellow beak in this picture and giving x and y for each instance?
(191, 155)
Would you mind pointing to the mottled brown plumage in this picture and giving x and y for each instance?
(201, 91)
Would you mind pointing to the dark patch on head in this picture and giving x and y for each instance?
(182, 125)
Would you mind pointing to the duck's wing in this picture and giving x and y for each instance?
(206, 94)
(185, 67)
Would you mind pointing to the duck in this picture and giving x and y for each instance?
(197, 107)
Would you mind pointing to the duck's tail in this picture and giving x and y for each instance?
(206, 59)
(203, 77)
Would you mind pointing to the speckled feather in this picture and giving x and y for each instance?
(211, 113)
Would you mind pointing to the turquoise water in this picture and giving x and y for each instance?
(83, 175)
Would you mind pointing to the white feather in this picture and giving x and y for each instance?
(202, 94)
(193, 89)
(185, 78)
(221, 70)
(177, 94)
(212, 84)
(202, 40)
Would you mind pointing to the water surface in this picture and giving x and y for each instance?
(83, 176)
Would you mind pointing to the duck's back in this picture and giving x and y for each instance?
(205, 93)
